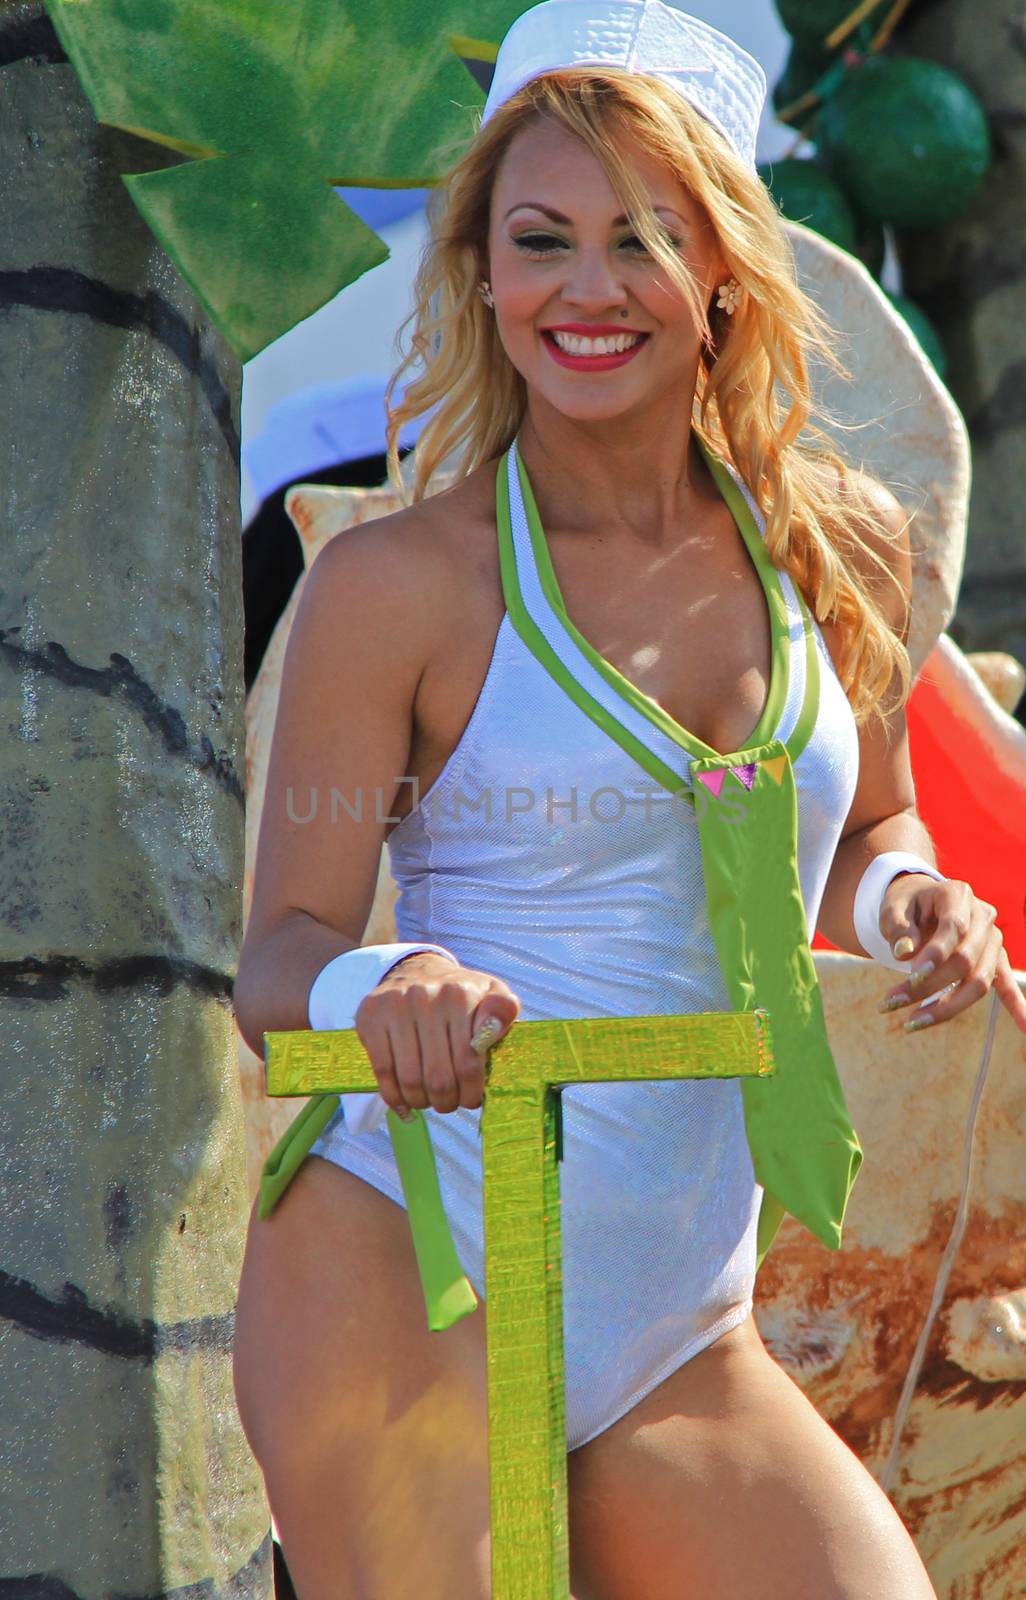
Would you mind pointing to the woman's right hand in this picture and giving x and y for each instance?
(416, 1026)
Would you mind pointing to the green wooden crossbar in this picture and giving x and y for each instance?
(521, 1144)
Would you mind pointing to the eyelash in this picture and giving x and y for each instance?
(524, 242)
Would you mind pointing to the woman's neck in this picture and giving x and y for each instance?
(640, 477)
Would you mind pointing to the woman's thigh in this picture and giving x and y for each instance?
(725, 1480)
(371, 1431)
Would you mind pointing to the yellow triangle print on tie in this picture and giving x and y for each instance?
(775, 768)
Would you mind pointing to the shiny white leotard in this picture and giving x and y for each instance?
(600, 910)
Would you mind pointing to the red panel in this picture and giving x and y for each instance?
(975, 814)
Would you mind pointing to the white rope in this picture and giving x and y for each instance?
(948, 1258)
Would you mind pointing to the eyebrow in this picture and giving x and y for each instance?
(557, 216)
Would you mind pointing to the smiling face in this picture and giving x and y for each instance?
(593, 323)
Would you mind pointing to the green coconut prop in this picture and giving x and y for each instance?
(521, 1145)
(899, 141)
(273, 105)
(806, 193)
(907, 139)
(810, 21)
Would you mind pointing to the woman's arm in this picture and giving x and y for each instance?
(952, 933)
(342, 736)
(883, 811)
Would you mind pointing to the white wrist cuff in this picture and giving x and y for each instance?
(882, 870)
(336, 993)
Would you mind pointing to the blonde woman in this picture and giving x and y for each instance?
(608, 290)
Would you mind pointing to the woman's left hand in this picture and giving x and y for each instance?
(949, 926)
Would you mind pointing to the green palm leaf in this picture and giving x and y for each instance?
(275, 104)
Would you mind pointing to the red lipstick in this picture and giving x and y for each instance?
(592, 330)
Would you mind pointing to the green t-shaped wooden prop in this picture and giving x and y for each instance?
(521, 1145)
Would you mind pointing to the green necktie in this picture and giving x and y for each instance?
(804, 1150)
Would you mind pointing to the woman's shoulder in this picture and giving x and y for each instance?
(420, 543)
(413, 573)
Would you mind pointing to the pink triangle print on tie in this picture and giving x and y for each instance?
(713, 781)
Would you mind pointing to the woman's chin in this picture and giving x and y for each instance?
(593, 408)
(602, 396)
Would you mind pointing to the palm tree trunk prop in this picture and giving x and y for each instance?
(125, 1470)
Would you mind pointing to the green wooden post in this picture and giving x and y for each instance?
(520, 1141)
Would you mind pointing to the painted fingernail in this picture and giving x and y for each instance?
(919, 1022)
(893, 1002)
(904, 946)
(485, 1036)
(917, 974)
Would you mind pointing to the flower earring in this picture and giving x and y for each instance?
(485, 291)
(730, 296)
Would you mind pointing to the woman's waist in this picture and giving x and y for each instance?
(583, 971)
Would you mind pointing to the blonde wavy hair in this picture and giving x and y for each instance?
(752, 404)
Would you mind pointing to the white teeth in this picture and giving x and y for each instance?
(576, 344)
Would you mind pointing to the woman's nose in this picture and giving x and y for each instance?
(592, 284)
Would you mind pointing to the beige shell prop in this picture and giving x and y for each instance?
(895, 418)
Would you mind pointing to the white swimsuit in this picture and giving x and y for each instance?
(594, 905)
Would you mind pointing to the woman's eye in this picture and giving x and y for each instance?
(539, 244)
(546, 244)
(637, 244)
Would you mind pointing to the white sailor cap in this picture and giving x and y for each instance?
(722, 81)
